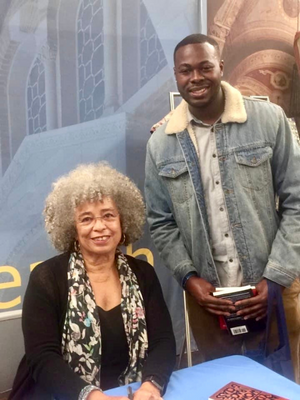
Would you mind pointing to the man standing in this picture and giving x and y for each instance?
(212, 173)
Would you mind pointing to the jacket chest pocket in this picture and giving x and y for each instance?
(253, 167)
(177, 180)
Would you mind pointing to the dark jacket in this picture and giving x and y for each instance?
(43, 374)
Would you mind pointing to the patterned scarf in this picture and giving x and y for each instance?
(81, 338)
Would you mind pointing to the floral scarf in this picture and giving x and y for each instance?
(81, 338)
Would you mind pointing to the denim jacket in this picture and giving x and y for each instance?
(258, 158)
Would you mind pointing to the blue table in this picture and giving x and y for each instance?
(202, 380)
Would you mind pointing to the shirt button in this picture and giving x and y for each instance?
(214, 155)
(230, 260)
(221, 209)
(226, 235)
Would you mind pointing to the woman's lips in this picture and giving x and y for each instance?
(100, 239)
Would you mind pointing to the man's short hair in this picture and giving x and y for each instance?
(197, 38)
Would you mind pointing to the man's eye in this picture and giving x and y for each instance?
(184, 71)
(207, 68)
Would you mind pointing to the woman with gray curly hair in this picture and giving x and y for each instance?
(94, 318)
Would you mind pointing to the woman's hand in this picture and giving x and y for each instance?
(147, 391)
(97, 395)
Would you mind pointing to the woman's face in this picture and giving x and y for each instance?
(98, 228)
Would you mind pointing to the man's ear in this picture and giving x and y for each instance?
(222, 67)
(174, 70)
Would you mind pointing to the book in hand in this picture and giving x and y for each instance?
(238, 391)
(235, 324)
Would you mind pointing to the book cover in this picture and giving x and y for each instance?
(231, 289)
(235, 324)
(238, 391)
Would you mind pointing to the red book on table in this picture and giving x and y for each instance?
(238, 391)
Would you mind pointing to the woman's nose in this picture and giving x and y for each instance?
(99, 223)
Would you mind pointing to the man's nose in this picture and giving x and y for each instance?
(196, 75)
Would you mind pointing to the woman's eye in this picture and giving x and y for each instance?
(86, 220)
(108, 216)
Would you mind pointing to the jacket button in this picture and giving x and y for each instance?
(254, 160)
(214, 155)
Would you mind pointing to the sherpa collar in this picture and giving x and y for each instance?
(234, 111)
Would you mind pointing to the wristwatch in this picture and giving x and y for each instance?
(154, 382)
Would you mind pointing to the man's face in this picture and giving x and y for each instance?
(198, 71)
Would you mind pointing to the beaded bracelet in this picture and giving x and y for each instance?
(86, 391)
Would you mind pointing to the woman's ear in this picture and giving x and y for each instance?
(123, 239)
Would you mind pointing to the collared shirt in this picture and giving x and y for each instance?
(222, 242)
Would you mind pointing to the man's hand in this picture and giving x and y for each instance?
(255, 307)
(201, 290)
(147, 391)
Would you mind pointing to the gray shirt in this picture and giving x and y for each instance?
(222, 242)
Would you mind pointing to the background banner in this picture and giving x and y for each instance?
(80, 81)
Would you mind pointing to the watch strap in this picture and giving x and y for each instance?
(155, 382)
(187, 277)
